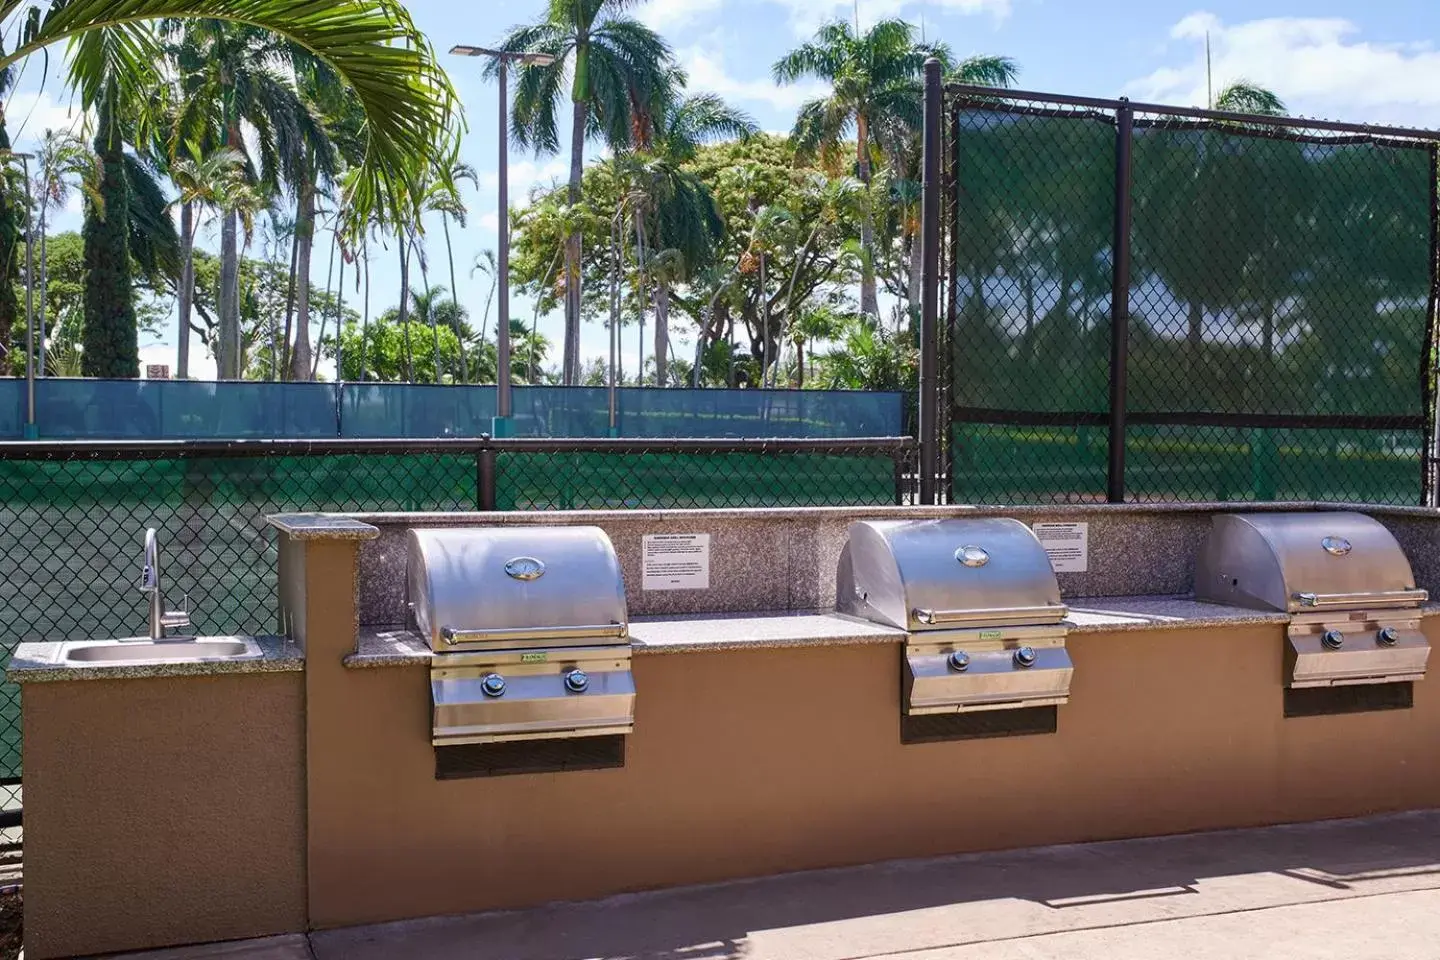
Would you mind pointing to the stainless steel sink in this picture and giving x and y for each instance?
(143, 650)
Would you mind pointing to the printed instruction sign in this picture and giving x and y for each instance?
(675, 561)
(1067, 543)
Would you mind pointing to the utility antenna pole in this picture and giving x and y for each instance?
(1209, 86)
(857, 18)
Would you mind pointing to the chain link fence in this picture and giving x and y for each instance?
(1246, 304)
(73, 516)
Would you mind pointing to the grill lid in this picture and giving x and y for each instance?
(482, 587)
(941, 574)
(1297, 562)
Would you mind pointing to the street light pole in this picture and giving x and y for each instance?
(501, 425)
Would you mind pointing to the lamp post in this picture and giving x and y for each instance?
(500, 426)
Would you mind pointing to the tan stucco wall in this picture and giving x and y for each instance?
(757, 762)
(162, 811)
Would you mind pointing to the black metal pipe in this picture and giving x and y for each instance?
(930, 286)
(1120, 304)
(485, 479)
(1430, 363)
(1105, 103)
(952, 306)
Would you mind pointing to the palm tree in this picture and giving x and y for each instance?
(62, 157)
(873, 82)
(485, 263)
(1245, 97)
(234, 90)
(444, 197)
(686, 223)
(204, 182)
(12, 336)
(331, 139)
(613, 63)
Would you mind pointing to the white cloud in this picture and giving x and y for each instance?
(663, 15)
(807, 15)
(706, 70)
(30, 113)
(1318, 66)
(526, 175)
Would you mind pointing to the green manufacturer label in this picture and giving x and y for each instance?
(534, 657)
(991, 634)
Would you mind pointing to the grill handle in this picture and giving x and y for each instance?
(988, 616)
(611, 630)
(1371, 598)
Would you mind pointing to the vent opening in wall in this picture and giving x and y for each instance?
(471, 760)
(1359, 698)
(980, 725)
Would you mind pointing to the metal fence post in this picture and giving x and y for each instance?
(946, 417)
(930, 282)
(1120, 302)
(485, 476)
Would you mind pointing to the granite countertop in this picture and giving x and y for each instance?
(795, 628)
(696, 633)
(388, 647)
(1113, 614)
(393, 647)
(321, 526)
(40, 663)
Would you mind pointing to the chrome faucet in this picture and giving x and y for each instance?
(160, 618)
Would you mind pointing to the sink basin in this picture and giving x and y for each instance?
(144, 650)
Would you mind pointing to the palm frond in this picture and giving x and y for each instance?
(154, 242)
(372, 45)
(1245, 97)
(986, 71)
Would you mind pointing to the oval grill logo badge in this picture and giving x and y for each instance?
(972, 556)
(1336, 546)
(524, 568)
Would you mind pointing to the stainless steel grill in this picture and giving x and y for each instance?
(1343, 577)
(529, 631)
(979, 601)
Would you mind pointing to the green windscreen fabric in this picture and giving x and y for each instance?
(658, 481)
(1280, 310)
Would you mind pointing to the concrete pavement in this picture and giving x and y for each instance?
(1352, 889)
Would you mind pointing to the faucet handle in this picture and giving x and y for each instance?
(175, 619)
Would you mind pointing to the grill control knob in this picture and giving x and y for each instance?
(1333, 639)
(1387, 636)
(1025, 657)
(493, 685)
(576, 681)
(959, 661)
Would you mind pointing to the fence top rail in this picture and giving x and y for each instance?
(192, 449)
(968, 91)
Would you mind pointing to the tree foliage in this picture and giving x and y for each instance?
(111, 339)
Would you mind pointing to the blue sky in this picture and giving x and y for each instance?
(1375, 62)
